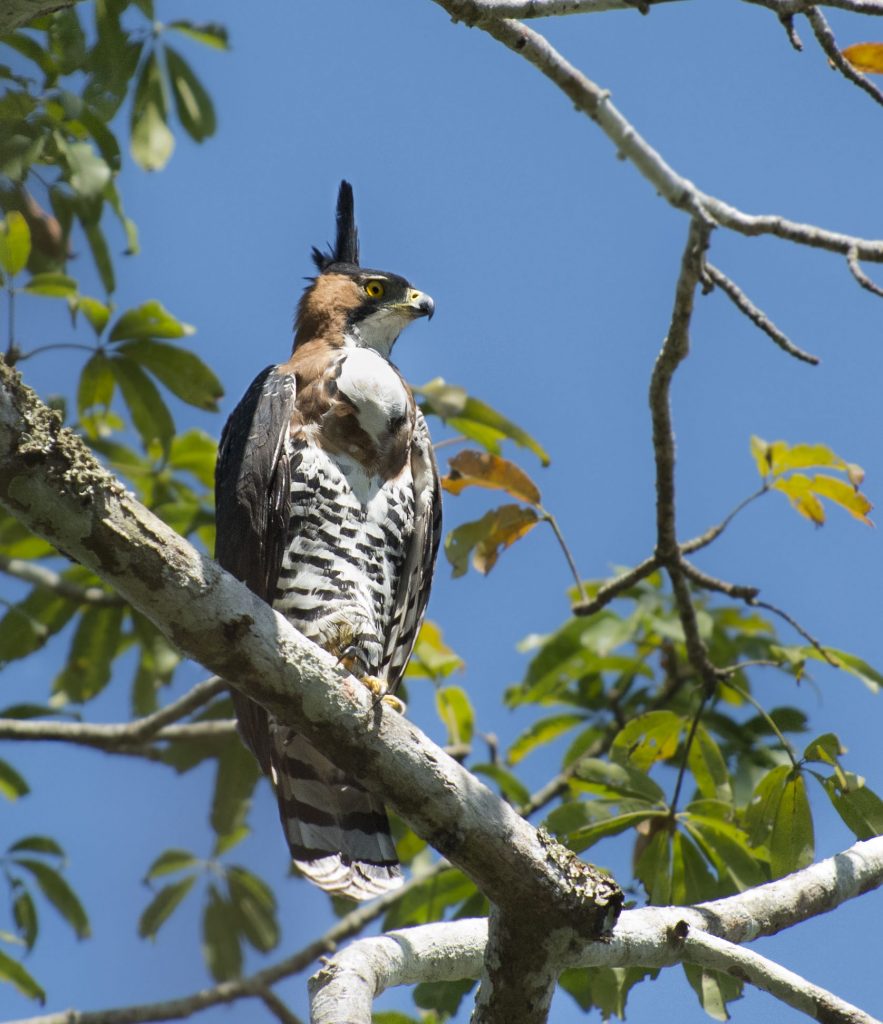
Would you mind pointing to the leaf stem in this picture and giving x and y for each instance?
(56, 345)
(765, 715)
(682, 768)
(547, 517)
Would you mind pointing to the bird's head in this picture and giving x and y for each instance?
(349, 304)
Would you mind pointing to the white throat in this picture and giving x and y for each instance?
(378, 331)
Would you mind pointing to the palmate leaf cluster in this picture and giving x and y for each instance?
(712, 793)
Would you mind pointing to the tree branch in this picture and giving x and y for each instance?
(50, 481)
(128, 734)
(786, 986)
(650, 937)
(679, 191)
(825, 38)
(41, 576)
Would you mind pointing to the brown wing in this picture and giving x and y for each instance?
(416, 578)
(252, 498)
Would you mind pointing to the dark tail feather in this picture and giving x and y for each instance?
(337, 831)
(346, 248)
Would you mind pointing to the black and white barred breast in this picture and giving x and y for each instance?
(347, 540)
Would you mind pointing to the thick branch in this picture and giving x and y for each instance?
(15, 13)
(650, 937)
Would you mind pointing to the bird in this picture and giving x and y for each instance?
(328, 507)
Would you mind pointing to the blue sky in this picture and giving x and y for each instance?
(552, 265)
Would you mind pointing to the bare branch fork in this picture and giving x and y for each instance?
(51, 482)
(707, 934)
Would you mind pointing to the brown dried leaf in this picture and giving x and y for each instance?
(481, 469)
(484, 538)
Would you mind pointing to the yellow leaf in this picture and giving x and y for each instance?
(865, 57)
(486, 537)
(798, 488)
(482, 469)
(843, 494)
(759, 449)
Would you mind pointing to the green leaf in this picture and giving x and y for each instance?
(196, 112)
(455, 710)
(760, 815)
(29, 624)
(220, 938)
(67, 42)
(151, 142)
(714, 988)
(149, 412)
(484, 538)
(95, 311)
(37, 844)
(583, 838)
(691, 880)
(51, 284)
(161, 907)
(59, 894)
(473, 418)
(170, 861)
(708, 767)
(90, 221)
(428, 900)
(182, 372)
(11, 971)
(647, 739)
(15, 243)
(24, 913)
(542, 732)
(432, 658)
(792, 843)
(442, 996)
(653, 866)
(97, 383)
(825, 749)
(12, 785)
(209, 33)
(726, 846)
(196, 452)
(859, 807)
(89, 173)
(618, 780)
(254, 904)
(237, 776)
(94, 646)
(511, 788)
(149, 320)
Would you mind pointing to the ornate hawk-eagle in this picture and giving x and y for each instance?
(328, 508)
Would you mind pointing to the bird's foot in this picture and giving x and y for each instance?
(352, 661)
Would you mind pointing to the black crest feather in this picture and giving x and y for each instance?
(346, 248)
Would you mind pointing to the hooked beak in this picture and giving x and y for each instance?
(419, 304)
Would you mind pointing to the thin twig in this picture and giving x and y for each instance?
(41, 576)
(553, 522)
(828, 43)
(275, 1005)
(448, 441)
(794, 624)
(860, 276)
(787, 23)
(594, 101)
(702, 579)
(56, 345)
(757, 316)
(703, 540)
(615, 587)
(764, 714)
(550, 8)
(682, 767)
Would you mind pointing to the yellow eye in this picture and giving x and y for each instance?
(374, 289)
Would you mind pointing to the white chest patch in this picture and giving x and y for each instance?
(375, 389)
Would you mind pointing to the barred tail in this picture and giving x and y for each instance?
(337, 831)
